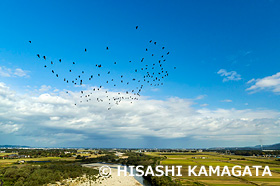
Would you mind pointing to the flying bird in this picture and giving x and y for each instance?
(136, 27)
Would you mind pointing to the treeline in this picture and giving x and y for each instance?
(37, 153)
(255, 152)
(31, 175)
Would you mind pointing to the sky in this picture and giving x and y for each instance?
(224, 91)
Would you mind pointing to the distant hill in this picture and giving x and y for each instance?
(270, 147)
(257, 147)
(13, 146)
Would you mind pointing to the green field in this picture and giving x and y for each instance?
(214, 159)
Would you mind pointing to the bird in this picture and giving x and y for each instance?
(85, 49)
(73, 63)
(59, 60)
(115, 62)
(150, 41)
(162, 47)
(136, 27)
(107, 48)
(44, 57)
(29, 41)
(38, 55)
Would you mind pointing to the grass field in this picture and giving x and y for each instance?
(8, 162)
(214, 159)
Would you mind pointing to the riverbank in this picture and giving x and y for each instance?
(114, 179)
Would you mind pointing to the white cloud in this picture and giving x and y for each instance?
(52, 118)
(204, 105)
(229, 76)
(226, 100)
(18, 72)
(269, 83)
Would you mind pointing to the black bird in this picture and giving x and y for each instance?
(59, 60)
(85, 49)
(70, 71)
(38, 55)
(29, 41)
(73, 63)
(99, 66)
(152, 54)
(56, 75)
(107, 48)
(45, 66)
(167, 53)
(83, 72)
(52, 71)
(174, 67)
(146, 49)
(150, 41)
(44, 57)
(51, 62)
(162, 47)
(136, 27)
(115, 62)
(155, 43)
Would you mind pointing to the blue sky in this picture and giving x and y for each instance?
(224, 91)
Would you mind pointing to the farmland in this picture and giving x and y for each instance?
(216, 159)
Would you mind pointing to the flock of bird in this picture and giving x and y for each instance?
(151, 72)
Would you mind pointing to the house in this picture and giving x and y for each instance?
(21, 162)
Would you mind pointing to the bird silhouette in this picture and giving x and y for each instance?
(136, 27)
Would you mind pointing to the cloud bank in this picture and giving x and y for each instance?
(53, 119)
